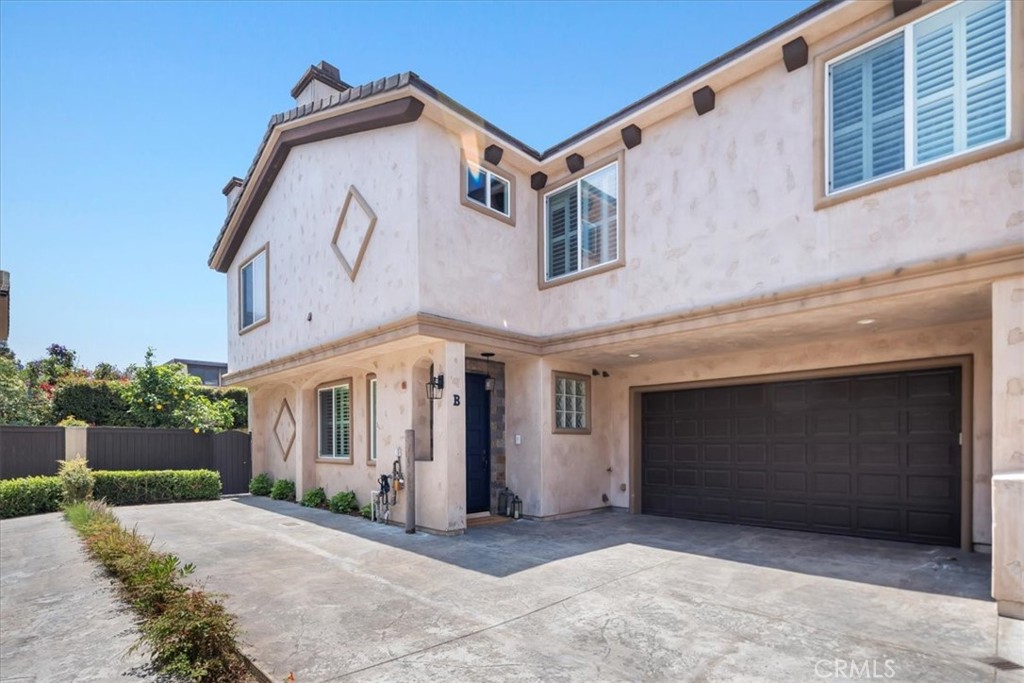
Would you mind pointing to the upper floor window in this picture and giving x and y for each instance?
(487, 189)
(581, 224)
(935, 88)
(335, 421)
(253, 290)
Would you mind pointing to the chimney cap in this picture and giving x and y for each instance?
(326, 73)
(232, 184)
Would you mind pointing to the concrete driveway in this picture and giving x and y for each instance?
(607, 597)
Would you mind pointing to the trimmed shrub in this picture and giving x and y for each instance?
(76, 478)
(97, 402)
(157, 486)
(187, 631)
(283, 489)
(72, 421)
(29, 496)
(343, 501)
(261, 484)
(315, 498)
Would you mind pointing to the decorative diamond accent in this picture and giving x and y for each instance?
(355, 226)
(284, 428)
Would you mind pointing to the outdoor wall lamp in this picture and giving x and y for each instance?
(489, 382)
(435, 388)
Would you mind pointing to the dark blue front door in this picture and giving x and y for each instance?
(478, 444)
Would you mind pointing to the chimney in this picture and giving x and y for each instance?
(232, 191)
(320, 81)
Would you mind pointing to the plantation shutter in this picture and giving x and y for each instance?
(326, 422)
(867, 115)
(960, 69)
(935, 76)
(342, 422)
(563, 233)
(986, 74)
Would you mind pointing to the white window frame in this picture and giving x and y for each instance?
(587, 403)
(371, 409)
(263, 251)
(320, 454)
(909, 118)
(488, 175)
(578, 182)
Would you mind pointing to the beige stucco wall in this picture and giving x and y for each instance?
(401, 406)
(1008, 445)
(298, 219)
(717, 208)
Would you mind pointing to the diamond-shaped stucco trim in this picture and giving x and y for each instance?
(351, 262)
(284, 428)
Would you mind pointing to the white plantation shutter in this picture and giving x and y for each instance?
(342, 422)
(934, 88)
(326, 416)
(985, 38)
(867, 115)
(335, 416)
(563, 233)
(960, 74)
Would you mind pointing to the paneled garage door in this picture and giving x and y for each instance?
(871, 455)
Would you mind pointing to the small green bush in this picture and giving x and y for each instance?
(261, 484)
(77, 480)
(366, 511)
(283, 489)
(72, 421)
(157, 486)
(29, 496)
(187, 631)
(344, 501)
(315, 498)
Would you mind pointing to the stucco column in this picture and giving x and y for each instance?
(452, 434)
(1008, 446)
(304, 451)
(76, 441)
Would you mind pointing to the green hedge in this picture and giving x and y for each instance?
(29, 496)
(33, 495)
(98, 402)
(157, 486)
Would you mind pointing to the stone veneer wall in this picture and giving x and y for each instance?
(497, 371)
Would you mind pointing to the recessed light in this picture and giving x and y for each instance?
(866, 321)
(634, 355)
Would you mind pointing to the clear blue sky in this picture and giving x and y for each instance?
(121, 122)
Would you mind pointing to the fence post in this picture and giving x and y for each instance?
(76, 443)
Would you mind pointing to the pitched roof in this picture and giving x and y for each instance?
(410, 79)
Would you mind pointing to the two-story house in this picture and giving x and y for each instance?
(784, 290)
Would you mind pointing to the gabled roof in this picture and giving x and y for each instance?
(409, 79)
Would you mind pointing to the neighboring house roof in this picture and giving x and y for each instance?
(186, 361)
(412, 80)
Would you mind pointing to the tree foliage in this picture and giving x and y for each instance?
(167, 396)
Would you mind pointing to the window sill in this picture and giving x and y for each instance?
(489, 212)
(580, 274)
(967, 158)
(334, 461)
(250, 328)
(579, 432)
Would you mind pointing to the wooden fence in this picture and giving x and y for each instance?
(27, 451)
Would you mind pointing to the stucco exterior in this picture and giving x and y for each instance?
(734, 267)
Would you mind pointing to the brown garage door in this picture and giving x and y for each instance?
(872, 455)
